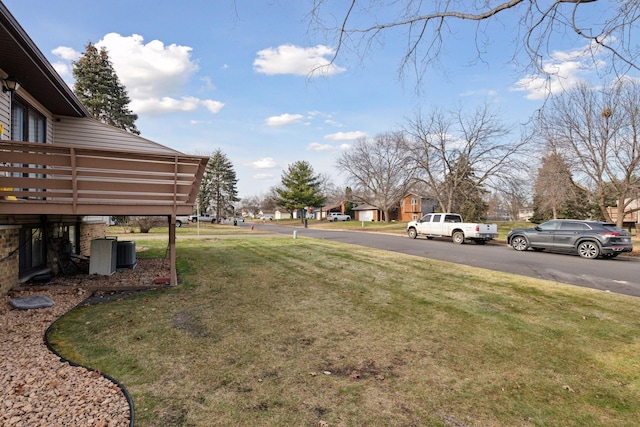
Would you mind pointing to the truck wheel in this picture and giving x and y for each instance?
(458, 237)
(178, 223)
(412, 233)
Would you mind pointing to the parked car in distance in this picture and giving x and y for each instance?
(203, 218)
(180, 220)
(338, 216)
(589, 239)
(266, 217)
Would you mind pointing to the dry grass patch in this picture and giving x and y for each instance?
(278, 331)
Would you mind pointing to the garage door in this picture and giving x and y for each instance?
(365, 215)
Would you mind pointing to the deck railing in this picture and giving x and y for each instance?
(58, 179)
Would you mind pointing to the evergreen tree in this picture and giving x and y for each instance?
(300, 188)
(99, 89)
(218, 189)
(465, 192)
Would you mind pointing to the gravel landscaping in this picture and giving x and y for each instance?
(36, 387)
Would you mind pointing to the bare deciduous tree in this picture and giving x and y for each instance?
(452, 149)
(380, 170)
(604, 25)
(599, 130)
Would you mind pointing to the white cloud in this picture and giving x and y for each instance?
(264, 163)
(164, 105)
(316, 146)
(563, 71)
(290, 59)
(284, 119)
(333, 123)
(154, 74)
(345, 136)
(149, 70)
(213, 106)
(63, 69)
(66, 53)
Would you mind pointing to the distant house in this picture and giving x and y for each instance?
(62, 172)
(525, 213)
(414, 207)
(282, 214)
(631, 219)
(365, 212)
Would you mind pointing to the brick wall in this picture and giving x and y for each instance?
(88, 232)
(9, 267)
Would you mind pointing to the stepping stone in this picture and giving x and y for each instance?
(34, 301)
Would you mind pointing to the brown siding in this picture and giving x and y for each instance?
(5, 115)
(407, 210)
(90, 133)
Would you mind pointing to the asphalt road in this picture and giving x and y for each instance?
(620, 275)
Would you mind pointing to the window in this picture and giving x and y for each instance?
(32, 250)
(414, 201)
(29, 126)
(26, 123)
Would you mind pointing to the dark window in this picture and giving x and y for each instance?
(577, 226)
(27, 124)
(548, 226)
(32, 250)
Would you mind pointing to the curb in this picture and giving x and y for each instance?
(72, 363)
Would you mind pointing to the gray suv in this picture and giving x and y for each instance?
(589, 239)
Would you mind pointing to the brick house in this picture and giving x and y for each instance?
(414, 207)
(60, 169)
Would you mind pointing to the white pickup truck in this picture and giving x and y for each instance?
(451, 225)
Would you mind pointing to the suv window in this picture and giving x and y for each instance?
(571, 225)
(426, 218)
(436, 218)
(548, 226)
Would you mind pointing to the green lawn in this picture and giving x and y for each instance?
(302, 332)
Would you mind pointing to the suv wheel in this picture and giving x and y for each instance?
(519, 243)
(588, 249)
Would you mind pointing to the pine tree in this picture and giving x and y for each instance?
(300, 188)
(99, 89)
(218, 188)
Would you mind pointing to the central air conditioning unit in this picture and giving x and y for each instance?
(126, 255)
(103, 257)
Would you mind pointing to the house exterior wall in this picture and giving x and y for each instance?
(5, 116)
(9, 241)
(88, 232)
(410, 208)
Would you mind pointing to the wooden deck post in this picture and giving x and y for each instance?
(172, 250)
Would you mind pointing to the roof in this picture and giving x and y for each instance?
(365, 207)
(21, 58)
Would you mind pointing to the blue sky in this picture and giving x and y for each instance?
(234, 75)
